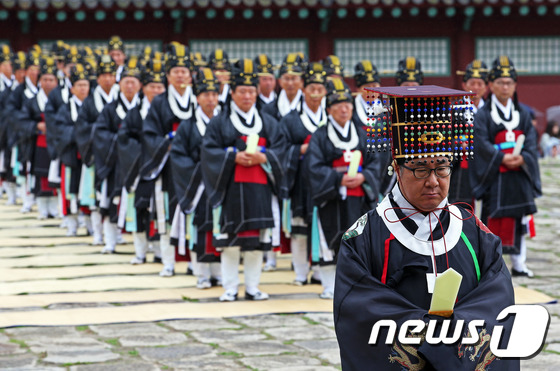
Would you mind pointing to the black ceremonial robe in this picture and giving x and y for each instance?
(381, 275)
(244, 193)
(185, 160)
(58, 97)
(327, 165)
(131, 157)
(107, 166)
(66, 146)
(162, 121)
(507, 195)
(297, 128)
(12, 113)
(85, 127)
(35, 143)
(5, 150)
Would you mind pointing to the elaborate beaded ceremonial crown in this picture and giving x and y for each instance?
(418, 122)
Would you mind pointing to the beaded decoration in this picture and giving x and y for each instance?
(422, 122)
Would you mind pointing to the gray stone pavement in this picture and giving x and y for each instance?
(268, 342)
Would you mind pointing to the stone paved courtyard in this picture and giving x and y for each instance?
(296, 341)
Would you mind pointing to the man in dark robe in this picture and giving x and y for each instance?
(390, 259)
(219, 63)
(7, 85)
(104, 93)
(16, 101)
(367, 110)
(241, 159)
(290, 98)
(298, 126)
(291, 83)
(67, 148)
(267, 81)
(32, 138)
(107, 166)
(58, 97)
(504, 176)
(340, 194)
(195, 207)
(165, 114)
(474, 80)
(129, 147)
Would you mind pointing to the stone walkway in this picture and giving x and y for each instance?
(304, 341)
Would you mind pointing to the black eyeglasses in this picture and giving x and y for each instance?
(424, 172)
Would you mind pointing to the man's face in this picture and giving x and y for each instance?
(118, 56)
(341, 112)
(410, 83)
(424, 194)
(314, 93)
(290, 83)
(130, 86)
(80, 89)
(68, 68)
(207, 101)
(267, 83)
(106, 81)
(179, 77)
(48, 82)
(503, 88)
(6, 69)
(244, 97)
(366, 93)
(153, 89)
(32, 73)
(477, 86)
(20, 76)
(222, 76)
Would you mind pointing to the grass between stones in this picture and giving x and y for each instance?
(21, 343)
(113, 342)
(310, 321)
(231, 354)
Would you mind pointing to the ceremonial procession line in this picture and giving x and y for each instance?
(64, 306)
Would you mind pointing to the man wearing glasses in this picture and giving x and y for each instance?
(390, 259)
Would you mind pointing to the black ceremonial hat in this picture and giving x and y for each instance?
(410, 69)
(365, 72)
(502, 67)
(244, 73)
(337, 92)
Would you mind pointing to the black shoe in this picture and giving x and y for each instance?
(215, 282)
(299, 283)
(258, 296)
(314, 281)
(189, 272)
(527, 273)
(157, 259)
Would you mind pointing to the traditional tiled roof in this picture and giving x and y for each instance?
(178, 4)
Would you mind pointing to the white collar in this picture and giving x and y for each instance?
(360, 98)
(421, 220)
(108, 98)
(224, 94)
(203, 116)
(420, 242)
(268, 99)
(342, 130)
(284, 105)
(144, 107)
(247, 116)
(127, 104)
(351, 142)
(314, 116)
(67, 82)
(184, 99)
(8, 82)
(506, 110)
(77, 101)
(42, 99)
(31, 86)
